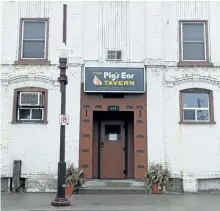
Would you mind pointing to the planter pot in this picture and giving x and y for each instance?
(76, 190)
(68, 191)
(155, 189)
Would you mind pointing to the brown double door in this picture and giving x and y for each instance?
(112, 150)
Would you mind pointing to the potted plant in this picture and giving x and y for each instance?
(79, 180)
(74, 180)
(157, 178)
(69, 181)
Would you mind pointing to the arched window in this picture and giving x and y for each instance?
(30, 105)
(196, 106)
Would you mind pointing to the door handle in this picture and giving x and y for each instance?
(102, 144)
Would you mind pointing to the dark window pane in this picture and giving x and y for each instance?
(111, 52)
(37, 114)
(118, 54)
(24, 113)
(33, 49)
(193, 51)
(188, 114)
(193, 32)
(112, 132)
(113, 95)
(111, 56)
(195, 100)
(202, 115)
(34, 30)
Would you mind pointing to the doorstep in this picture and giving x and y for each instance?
(120, 187)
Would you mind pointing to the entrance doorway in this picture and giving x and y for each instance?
(112, 152)
(113, 144)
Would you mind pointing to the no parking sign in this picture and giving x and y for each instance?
(64, 119)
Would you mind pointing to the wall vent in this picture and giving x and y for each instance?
(114, 55)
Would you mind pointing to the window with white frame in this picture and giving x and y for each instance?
(114, 55)
(195, 106)
(34, 40)
(193, 43)
(30, 106)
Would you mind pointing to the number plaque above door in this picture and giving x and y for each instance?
(113, 108)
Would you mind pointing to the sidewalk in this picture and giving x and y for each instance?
(41, 201)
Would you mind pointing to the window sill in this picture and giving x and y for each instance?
(32, 62)
(197, 123)
(113, 60)
(194, 64)
(30, 122)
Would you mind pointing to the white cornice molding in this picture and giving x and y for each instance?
(174, 80)
(28, 77)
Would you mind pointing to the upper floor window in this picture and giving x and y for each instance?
(194, 42)
(30, 105)
(33, 46)
(196, 105)
(34, 39)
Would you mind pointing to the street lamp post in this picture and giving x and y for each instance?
(60, 199)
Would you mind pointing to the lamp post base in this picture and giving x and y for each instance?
(60, 202)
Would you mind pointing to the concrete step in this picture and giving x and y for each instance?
(110, 191)
(120, 187)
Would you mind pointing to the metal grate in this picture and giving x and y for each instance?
(211, 184)
(29, 98)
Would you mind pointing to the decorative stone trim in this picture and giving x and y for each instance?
(98, 107)
(85, 150)
(140, 151)
(29, 77)
(140, 136)
(85, 136)
(85, 166)
(173, 80)
(129, 107)
(86, 120)
(140, 166)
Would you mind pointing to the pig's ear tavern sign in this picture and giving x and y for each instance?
(106, 79)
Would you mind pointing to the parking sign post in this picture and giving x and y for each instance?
(60, 199)
(64, 119)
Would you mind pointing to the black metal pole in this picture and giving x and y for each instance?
(60, 199)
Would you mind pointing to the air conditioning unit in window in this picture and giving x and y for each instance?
(114, 55)
(30, 99)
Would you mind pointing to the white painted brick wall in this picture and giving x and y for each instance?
(38, 145)
(149, 36)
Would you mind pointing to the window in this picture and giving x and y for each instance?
(30, 105)
(196, 105)
(33, 47)
(33, 39)
(112, 132)
(193, 42)
(113, 55)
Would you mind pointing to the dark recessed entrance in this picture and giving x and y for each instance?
(113, 145)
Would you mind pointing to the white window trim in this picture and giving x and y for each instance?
(196, 120)
(196, 109)
(205, 41)
(31, 108)
(45, 43)
(107, 59)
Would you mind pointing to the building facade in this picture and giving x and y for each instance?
(143, 87)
